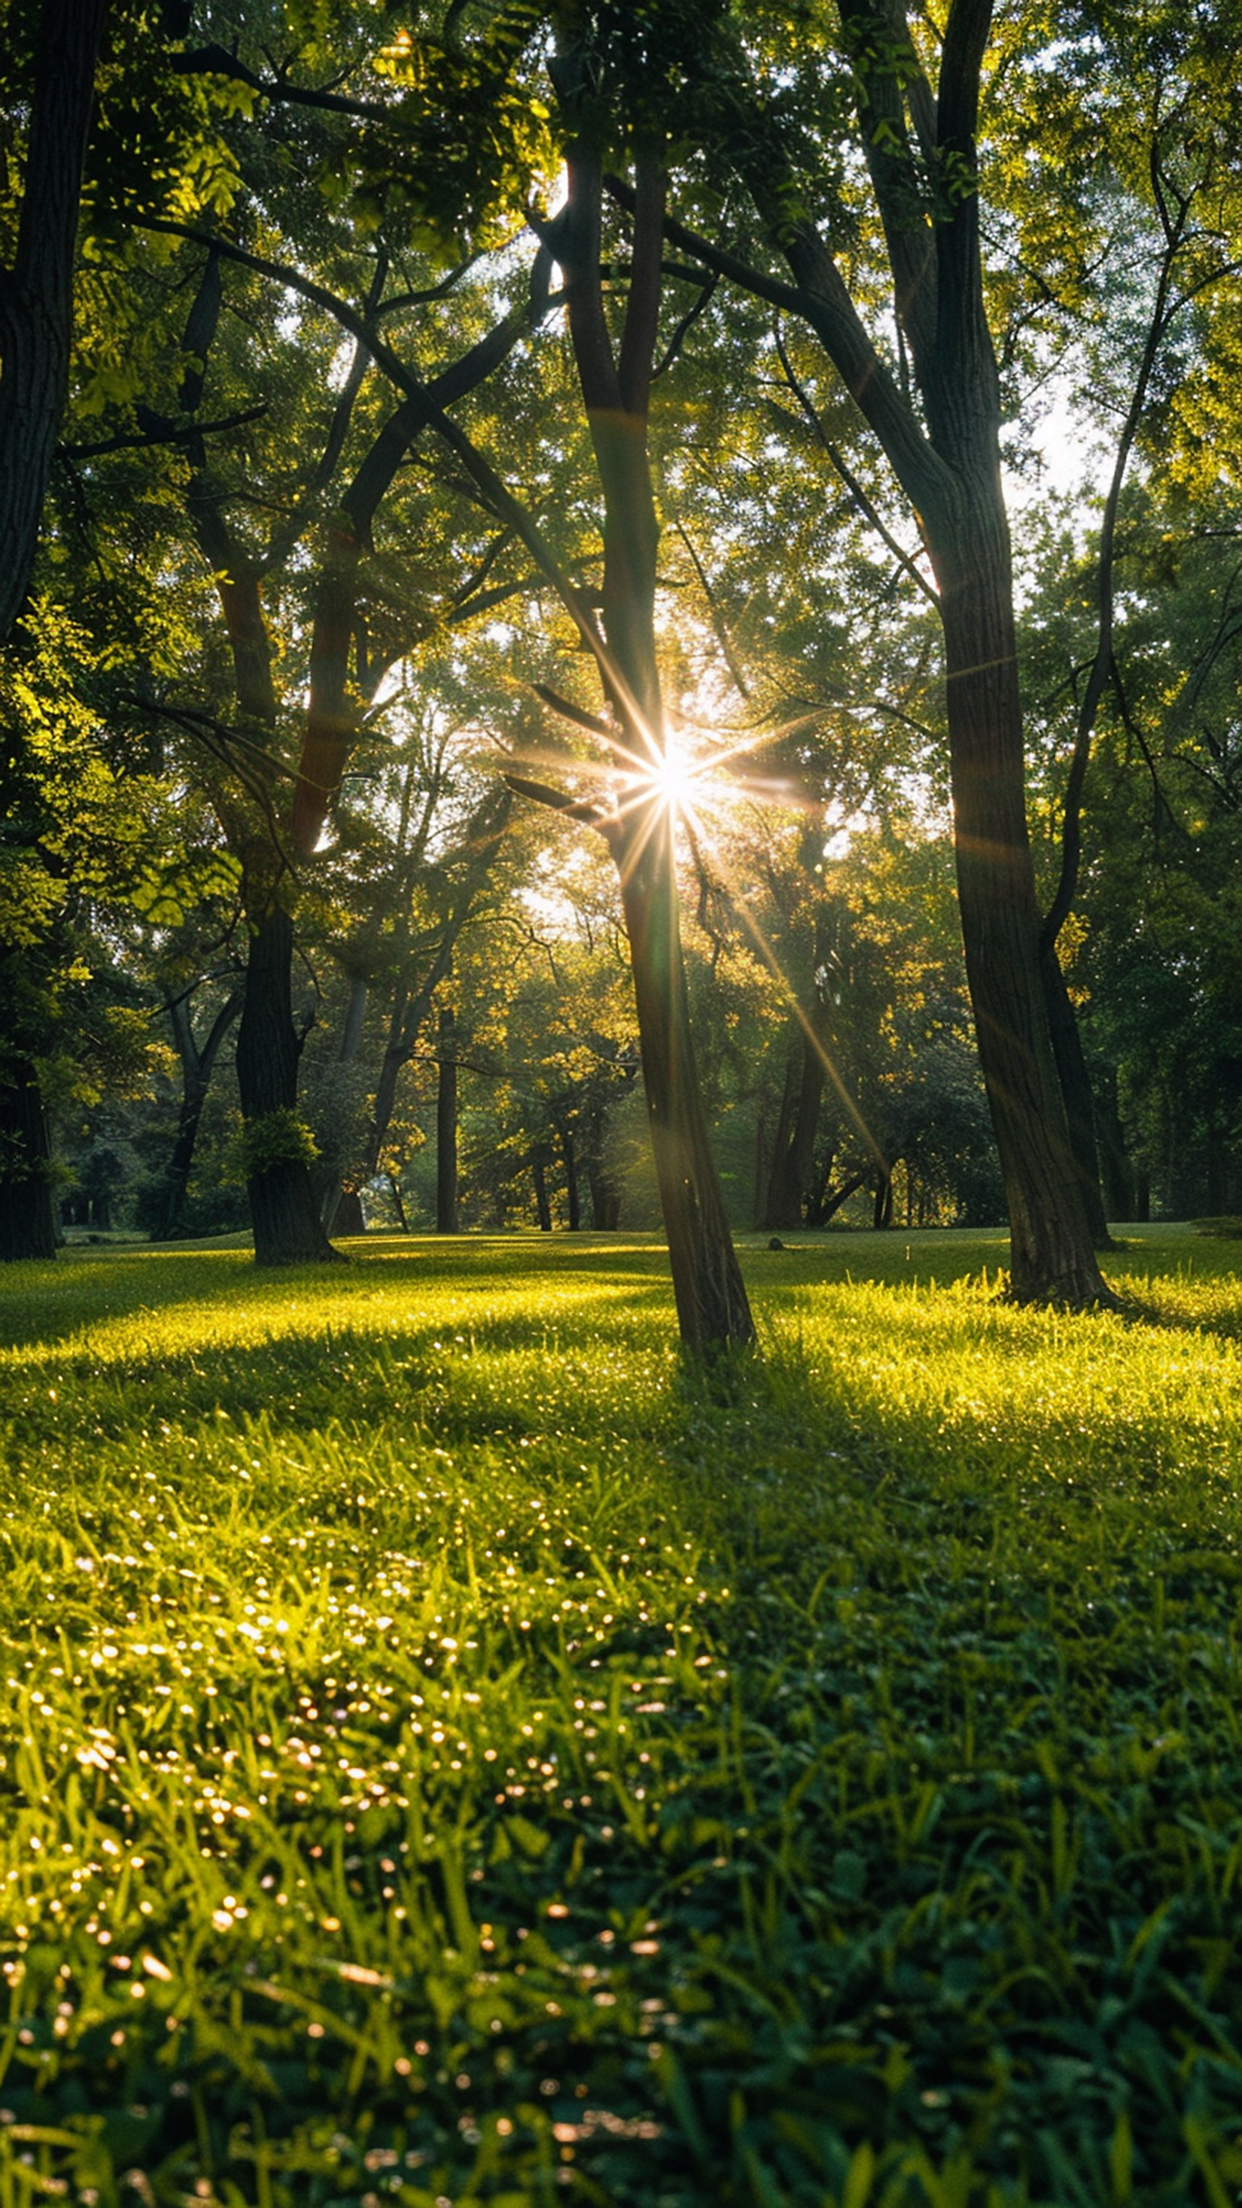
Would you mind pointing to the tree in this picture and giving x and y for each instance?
(937, 418)
(593, 75)
(55, 86)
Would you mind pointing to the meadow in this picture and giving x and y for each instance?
(453, 1755)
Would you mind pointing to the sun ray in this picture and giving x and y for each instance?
(773, 964)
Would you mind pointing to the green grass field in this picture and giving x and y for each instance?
(453, 1756)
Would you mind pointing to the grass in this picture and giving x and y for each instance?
(450, 1756)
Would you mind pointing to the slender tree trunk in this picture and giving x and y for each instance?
(287, 1226)
(830, 1201)
(572, 1198)
(605, 1196)
(177, 1176)
(394, 1184)
(760, 1174)
(543, 1209)
(27, 1210)
(341, 1207)
(446, 1127)
(712, 1309)
(197, 1067)
(1118, 1173)
(794, 1146)
(1075, 1083)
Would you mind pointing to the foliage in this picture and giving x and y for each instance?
(448, 1746)
(278, 1138)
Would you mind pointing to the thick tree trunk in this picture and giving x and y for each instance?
(446, 1127)
(1052, 1257)
(1076, 1094)
(287, 1226)
(712, 1309)
(27, 1211)
(36, 296)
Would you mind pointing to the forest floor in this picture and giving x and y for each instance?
(453, 1756)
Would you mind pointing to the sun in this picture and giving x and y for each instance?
(674, 782)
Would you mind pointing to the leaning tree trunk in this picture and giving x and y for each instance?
(287, 1226)
(27, 1212)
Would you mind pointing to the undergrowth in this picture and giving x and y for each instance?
(451, 1756)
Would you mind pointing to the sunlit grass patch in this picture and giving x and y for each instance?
(452, 1753)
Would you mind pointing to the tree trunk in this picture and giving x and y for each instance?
(572, 1198)
(446, 1127)
(712, 1309)
(1076, 1094)
(948, 464)
(287, 1226)
(605, 1197)
(36, 295)
(340, 1208)
(197, 1067)
(1051, 1252)
(543, 1209)
(27, 1210)
(882, 1208)
(794, 1146)
(1118, 1173)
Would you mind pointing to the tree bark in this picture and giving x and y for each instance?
(27, 1209)
(446, 1126)
(287, 1226)
(36, 294)
(1051, 1252)
(712, 1309)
